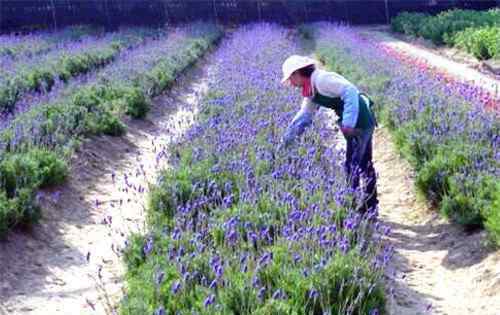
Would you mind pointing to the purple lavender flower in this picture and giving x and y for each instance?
(148, 247)
(209, 300)
(176, 286)
(160, 311)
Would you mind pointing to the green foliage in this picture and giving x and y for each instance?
(176, 187)
(492, 214)
(72, 65)
(40, 80)
(43, 78)
(450, 180)
(134, 255)
(336, 283)
(8, 215)
(33, 169)
(26, 206)
(475, 31)
(483, 43)
(408, 23)
(137, 105)
(9, 94)
(470, 199)
(21, 175)
(95, 107)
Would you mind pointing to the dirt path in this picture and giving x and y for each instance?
(438, 268)
(70, 263)
(459, 70)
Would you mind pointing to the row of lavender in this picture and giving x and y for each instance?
(24, 46)
(446, 132)
(36, 144)
(38, 73)
(240, 227)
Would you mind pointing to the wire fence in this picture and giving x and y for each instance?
(39, 14)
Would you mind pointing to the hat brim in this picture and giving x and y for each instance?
(307, 64)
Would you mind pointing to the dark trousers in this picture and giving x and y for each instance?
(359, 164)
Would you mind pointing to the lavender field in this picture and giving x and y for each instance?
(446, 130)
(179, 130)
(39, 133)
(238, 227)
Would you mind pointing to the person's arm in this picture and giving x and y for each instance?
(335, 85)
(350, 96)
(300, 122)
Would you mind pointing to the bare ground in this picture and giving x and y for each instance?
(70, 263)
(438, 267)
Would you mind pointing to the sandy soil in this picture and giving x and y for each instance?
(70, 263)
(438, 268)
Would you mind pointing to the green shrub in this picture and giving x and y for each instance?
(450, 180)
(26, 206)
(96, 103)
(134, 255)
(336, 283)
(9, 94)
(22, 209)
(72, 65)
(136, 102)
(110, 125)
(483, 43)
(492, 214)
(21, 174)
(468, 199)
(442, 28)
(34, 169)
(8, 214)
(408, 23)
(40, 80)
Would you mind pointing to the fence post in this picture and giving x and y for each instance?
(215, 11)
(1, 20)
(54, 14)
(107, 14)
(387, 18)
(306, 16)
(167, 17)
(346, 11)
(259, 10)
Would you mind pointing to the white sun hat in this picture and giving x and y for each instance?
(294, 63)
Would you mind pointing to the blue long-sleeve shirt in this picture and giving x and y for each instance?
(329, 84)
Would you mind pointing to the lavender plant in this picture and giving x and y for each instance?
(442, 128)
(30, 45)
(94, 105)
(70, 59)
(237, 227)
